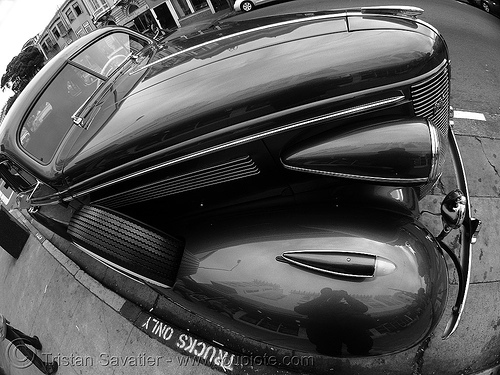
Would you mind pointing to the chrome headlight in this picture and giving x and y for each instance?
(402, 152)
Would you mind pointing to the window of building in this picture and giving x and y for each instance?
(144, 21)
(62, 28)
(70, 15)
(56, 33)
(87, 27)
(131, 9)
(77, 9)
(199, 4)
(80, 32)
(49, 43)
(94, 5)
(181, 7)
(98, 4)
(59, 30)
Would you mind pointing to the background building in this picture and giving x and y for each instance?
(76, 18)
(70, 22)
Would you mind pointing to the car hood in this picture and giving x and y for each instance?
(239, 78)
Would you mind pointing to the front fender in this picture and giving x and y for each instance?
(318, 280)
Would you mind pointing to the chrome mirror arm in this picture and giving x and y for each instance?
(23, 199)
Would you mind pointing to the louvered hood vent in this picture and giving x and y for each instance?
(232, 170)
(431, 99)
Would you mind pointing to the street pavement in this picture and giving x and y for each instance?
(80, 323)
(93, 320)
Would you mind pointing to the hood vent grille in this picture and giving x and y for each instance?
(230, 171)
(431, 99)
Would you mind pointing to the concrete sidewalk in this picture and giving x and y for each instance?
(82, 325)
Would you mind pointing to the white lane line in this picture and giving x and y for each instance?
(3, 197)
(469, 115)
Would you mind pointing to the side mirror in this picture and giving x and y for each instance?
(453, 210)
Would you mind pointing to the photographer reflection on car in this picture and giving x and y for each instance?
(19, 340)
(336, 318)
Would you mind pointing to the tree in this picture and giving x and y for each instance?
(9, 103)
(21, 71)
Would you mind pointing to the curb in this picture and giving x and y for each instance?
(107, 296)
(212, 356)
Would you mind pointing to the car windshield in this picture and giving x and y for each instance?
(105, 56)
(51, 116)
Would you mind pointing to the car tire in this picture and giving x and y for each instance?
(247, 6)
(485, 6)
(127, 245)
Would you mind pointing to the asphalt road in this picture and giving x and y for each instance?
(473, 38)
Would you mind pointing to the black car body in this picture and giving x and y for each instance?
(268, 170)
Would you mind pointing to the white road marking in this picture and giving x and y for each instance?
(469, 115)
(3, 197)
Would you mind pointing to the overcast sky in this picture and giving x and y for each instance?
(21, 20)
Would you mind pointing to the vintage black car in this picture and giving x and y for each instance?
(268, 170)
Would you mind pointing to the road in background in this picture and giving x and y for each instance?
(473, 38)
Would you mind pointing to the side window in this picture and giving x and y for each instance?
(50, 119)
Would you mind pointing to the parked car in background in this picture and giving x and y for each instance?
(248, 5)
(491, 6)
(269, 171)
